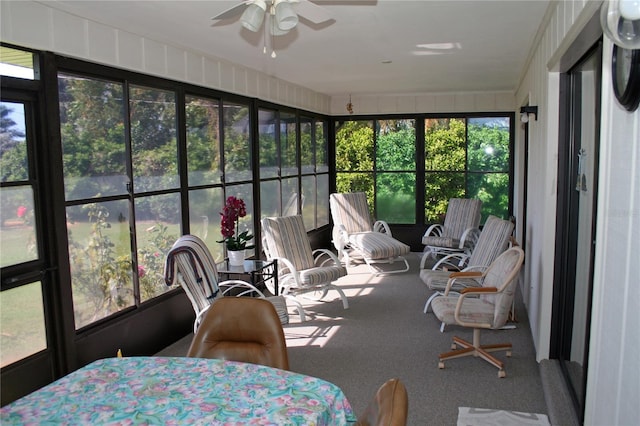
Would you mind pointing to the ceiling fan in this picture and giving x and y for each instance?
(281, 14)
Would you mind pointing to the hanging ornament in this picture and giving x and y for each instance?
(350, 106)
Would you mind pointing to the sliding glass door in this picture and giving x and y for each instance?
(578, 188)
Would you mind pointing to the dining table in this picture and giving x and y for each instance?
(181, 390)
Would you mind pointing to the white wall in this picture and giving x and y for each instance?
(613, 382)
(424, 103)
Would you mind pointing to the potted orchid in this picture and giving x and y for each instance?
(234, 240)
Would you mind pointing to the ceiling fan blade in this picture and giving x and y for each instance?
(234, 11)
(312, 12)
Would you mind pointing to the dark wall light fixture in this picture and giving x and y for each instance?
(526, 110)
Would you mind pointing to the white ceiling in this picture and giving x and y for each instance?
(475, 45)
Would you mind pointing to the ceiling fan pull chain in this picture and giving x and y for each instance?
(264, 40)
(272, 21)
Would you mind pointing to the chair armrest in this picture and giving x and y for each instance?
(288, 275)
(455, 275)
(469, 238)
(479, 290)
(465, 274)
(449, 259)
(382, 227)
(463, 295)
(434, 230)
(246, 287)
(284, 266)
(327, 255)
(476, 268)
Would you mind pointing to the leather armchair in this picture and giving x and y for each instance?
(241, 329)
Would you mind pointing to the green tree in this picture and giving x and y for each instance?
(354, 158)
(445, 162)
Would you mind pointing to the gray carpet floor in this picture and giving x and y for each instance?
(385, 334)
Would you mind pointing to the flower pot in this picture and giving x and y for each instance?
(236, 257)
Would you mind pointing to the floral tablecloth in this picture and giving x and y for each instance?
(171, 391)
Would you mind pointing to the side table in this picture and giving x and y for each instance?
(258, 271)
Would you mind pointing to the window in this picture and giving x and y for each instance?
(315, 172)
(286, 188)
(116, 181)
(467, 157)
(204, 164)
(17, 63)
(22, 320)
(378, 157)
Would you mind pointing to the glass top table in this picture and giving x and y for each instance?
(261, 273)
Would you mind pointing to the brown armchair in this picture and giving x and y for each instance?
(389, 407)
(241, 329)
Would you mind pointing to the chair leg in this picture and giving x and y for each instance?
(298, 305)
(377, 273)
(345, 302)
(476, 350)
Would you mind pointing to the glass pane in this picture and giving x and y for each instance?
(396, 145)
(270, 198)
(14, 165)
(355, 182)
(100, 260)
(306, 145)
(309, 201)
(445, 144)
(154, 147)
(439, 188)
(268, 149)
(322, 200)
(322, 164)
(93, 137)
(157, 228)
(21, 323)
(16, 63)
(289, 197)
(244, 192)
(288, 146)
(237, 143)
(354, 146)
(205, 206)
(18, 242)
(493, 190)
(396, 197)
(488, 144)
(203, 141)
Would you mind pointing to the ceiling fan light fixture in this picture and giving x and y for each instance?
(285, 17)
(253, 15)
